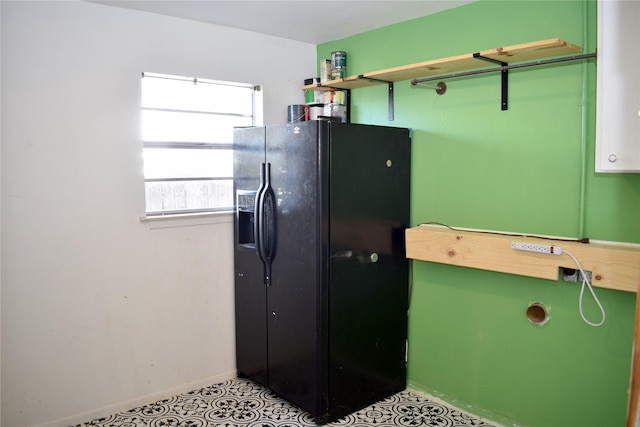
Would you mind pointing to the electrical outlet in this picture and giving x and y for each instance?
(573, 275)
(535, 247)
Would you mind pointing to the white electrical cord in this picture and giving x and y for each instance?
(585, 282)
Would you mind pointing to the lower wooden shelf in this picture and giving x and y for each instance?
(613, 265)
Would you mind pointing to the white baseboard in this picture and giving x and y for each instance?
(139, 401)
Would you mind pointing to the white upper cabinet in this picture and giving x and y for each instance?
(618, 97)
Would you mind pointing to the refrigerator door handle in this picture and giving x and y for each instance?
(257, 223)
(267, 227)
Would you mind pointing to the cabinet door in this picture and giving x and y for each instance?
(618, 99)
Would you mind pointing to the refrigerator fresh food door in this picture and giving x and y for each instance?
(369, 200)
(296, 293)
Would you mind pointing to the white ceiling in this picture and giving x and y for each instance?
(308, 21)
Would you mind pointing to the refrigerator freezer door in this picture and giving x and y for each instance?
(250, 292)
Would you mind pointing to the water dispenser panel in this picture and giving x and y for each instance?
(245, 205)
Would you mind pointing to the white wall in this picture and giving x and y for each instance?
(0, 221)
(99, 310)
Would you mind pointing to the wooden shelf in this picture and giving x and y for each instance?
(510, 54)
(613, 266)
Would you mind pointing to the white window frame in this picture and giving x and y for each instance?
(255, 119)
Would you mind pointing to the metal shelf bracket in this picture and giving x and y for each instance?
(390, 87)
(505, 79)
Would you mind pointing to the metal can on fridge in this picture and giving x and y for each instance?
(297, 113)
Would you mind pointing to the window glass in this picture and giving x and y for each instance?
(187, 131)
(188, 196)
(179, 94)
(189, 127)
(187, 163)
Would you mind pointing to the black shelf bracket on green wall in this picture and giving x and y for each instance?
(505, 78)
(504, 70)
(390, 86)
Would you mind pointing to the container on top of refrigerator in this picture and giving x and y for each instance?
(297, 113)
(336, 110)
(315, 111)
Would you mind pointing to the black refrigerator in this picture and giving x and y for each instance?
(321, 278)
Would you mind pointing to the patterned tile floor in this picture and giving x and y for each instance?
(239, 402)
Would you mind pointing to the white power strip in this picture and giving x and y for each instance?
(534, 247)
(586, 279)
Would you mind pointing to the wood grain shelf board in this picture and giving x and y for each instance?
(510, 54)
(613, 266)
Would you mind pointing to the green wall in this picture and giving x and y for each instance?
(529, 169)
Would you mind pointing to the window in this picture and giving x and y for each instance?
(187, 130)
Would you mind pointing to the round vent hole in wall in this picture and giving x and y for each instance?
(537, 313)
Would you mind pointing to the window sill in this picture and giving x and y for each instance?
(187, 220)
